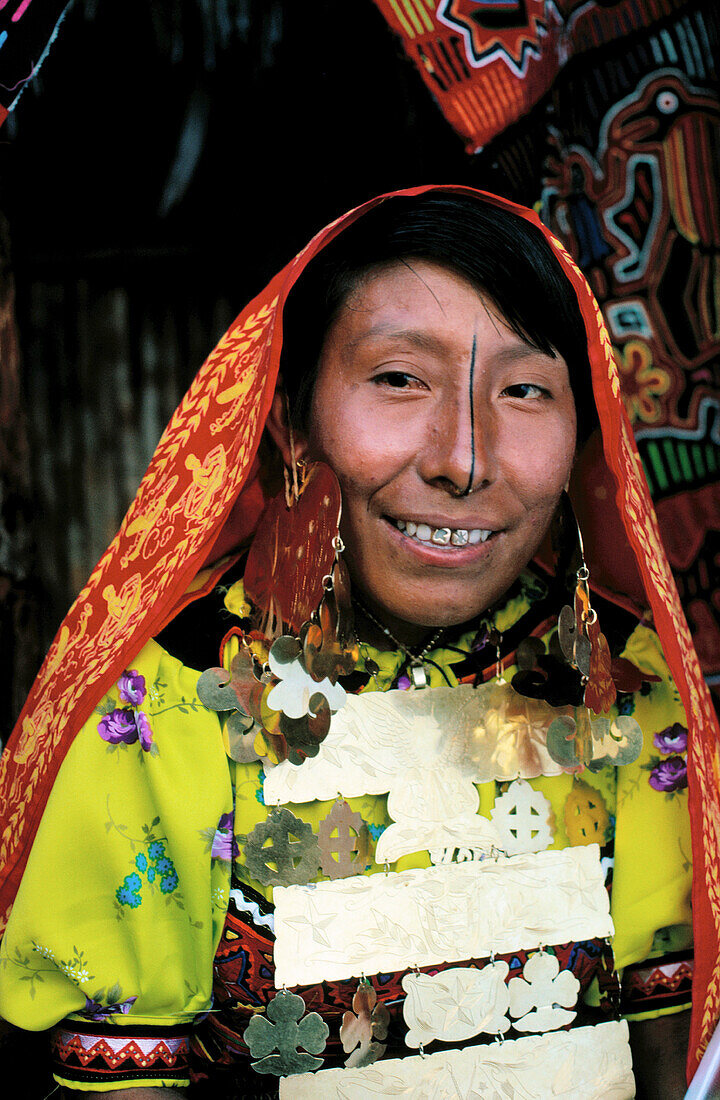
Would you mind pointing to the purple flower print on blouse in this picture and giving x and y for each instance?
(94, 1010)
(144, 731)
(669, 775)
(126, 727)
(672, 739)
(119, 727)
(131, 687)
(224, 845)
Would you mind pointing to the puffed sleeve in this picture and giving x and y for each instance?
(113, 934)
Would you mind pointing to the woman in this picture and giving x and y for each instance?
(435, 367)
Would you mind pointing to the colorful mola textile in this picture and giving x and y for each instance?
(620, 157)
(27, 31)
(488, 62)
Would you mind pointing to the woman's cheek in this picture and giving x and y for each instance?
(546, 456)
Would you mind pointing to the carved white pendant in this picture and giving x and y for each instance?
(484, 733)
(523, 819)
(457, 854)
(468, 830)
(296, 687)
(586, 1063)
(540, 998)
(426, 750)
(449, 913)
(456, 1004)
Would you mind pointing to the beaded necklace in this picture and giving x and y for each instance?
(416, 660)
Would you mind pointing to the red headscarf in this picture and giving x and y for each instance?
(202, 496)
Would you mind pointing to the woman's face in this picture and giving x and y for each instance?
(422, 393)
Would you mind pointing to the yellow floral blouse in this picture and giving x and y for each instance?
(123, 901)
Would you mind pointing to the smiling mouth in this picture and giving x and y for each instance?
(441, 536)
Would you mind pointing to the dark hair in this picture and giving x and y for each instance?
(499, 253)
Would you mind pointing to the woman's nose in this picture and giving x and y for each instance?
(458, 455)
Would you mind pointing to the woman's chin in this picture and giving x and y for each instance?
(410, 619)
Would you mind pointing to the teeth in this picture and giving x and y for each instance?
(442, 536)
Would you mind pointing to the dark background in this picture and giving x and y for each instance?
(167, 161)
(161, 168)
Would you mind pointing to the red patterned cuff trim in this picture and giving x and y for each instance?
(100, 1052)
(657, 984)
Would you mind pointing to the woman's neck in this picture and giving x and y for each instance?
(381, 630)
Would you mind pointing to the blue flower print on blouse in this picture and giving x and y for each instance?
(129, 893)
(169, 882)
(158, 870)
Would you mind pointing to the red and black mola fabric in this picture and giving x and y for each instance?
(244, 983)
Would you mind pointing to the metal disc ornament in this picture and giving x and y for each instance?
(600, 691)
(239, 692)
(305, 735)
(594, 743)
(524, 818)
(340, 836)
(239, 736)
(567, 632)
(273, 1039)
(620, 742)
(363, 1027)
(582, 654)
(239, 689)
(569, 742)
(282, 850)
(293, 551)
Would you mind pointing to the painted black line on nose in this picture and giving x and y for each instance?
(468, 487)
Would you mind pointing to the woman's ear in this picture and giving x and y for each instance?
(291, 443)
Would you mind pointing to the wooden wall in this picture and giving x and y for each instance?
(105, 361)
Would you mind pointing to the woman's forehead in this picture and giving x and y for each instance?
(422, 304)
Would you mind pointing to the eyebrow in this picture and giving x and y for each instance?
(523, 350)
(424, 341)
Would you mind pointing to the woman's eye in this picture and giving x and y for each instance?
(526, 389)
(397, 380)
